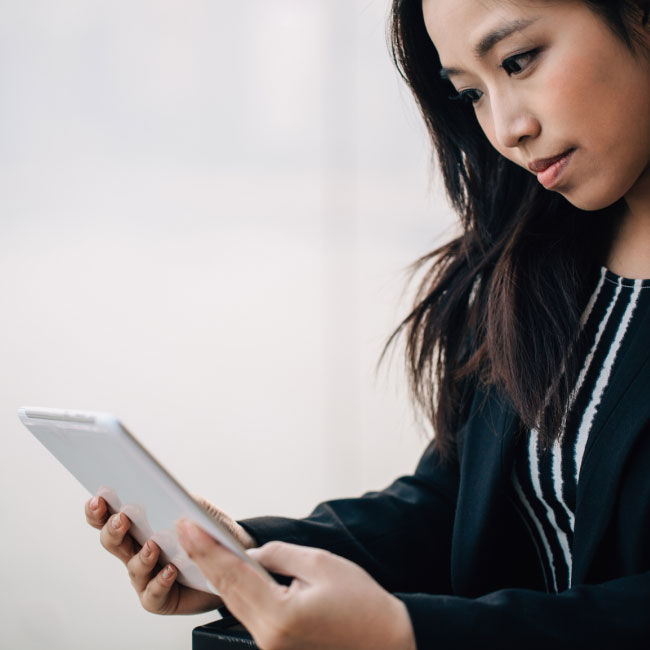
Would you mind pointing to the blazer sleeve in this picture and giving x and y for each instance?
(400, 535)
(613, 614)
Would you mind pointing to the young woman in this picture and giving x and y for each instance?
(527, 520)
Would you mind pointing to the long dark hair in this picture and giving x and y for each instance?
(499, 306)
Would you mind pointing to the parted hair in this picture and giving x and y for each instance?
(499, 305)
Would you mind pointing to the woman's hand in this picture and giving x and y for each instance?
(155, 585)
(331, 604)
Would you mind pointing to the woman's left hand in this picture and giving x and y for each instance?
(331, 604)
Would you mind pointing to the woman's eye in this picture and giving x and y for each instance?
(519, 62)
(470, 96)
(513, 65)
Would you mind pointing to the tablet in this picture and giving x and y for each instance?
(108, 460)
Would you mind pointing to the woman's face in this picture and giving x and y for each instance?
(547, 79)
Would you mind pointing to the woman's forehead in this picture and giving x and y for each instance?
(475, 26)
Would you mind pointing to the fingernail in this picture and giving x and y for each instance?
(116, 521)
(146, 550)
(167, 571)
(94, 503)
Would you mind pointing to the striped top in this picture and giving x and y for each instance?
(546, 480)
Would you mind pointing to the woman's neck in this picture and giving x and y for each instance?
(629, 255)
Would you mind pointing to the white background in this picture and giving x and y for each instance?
(206, 211)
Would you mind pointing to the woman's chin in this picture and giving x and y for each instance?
(590, 201)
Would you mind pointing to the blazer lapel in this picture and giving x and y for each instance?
(605, 456)
(482, 506)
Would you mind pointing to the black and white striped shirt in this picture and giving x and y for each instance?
(545, 481)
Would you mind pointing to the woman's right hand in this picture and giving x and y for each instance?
(155, 585)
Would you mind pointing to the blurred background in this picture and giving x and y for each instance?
(207, 209)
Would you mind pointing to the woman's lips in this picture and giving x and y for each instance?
(550, 170)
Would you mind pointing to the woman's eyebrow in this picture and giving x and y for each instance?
(490, 40)
(494, 37)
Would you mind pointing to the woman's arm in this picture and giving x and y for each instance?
(317, 612)
(614, 614)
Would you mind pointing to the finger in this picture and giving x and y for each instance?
(207, 505)
(141, 566)
(214, 512)
(115, 538)
(163, 595)
(96, 512)
(244, 588)
(155, 597)
(302, 562)
(237, 531)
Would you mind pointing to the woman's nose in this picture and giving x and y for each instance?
(514, 125)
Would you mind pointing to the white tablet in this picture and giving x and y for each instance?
(98, 450)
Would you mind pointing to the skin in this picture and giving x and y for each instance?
(315, 612)
(155, 585)
(585, 90)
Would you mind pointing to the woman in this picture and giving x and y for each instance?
(527, 521)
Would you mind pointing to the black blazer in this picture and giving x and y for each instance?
(450, 543)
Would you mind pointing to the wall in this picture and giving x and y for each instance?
(207, 208)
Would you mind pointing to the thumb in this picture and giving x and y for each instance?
(302, 562)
